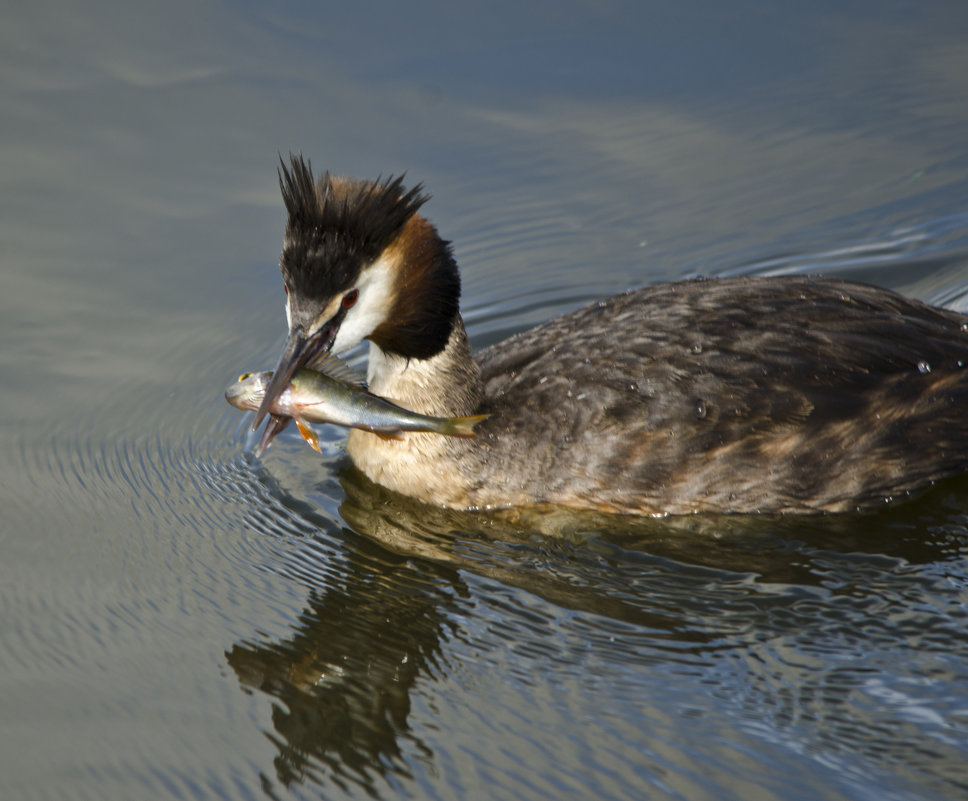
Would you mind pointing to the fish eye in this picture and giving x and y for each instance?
(349, 299)
(244, 376)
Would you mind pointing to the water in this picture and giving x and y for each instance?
(181, 620)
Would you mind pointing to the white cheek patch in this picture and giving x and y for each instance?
(372, 307)
(288, 313)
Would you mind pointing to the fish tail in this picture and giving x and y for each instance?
(460, 426)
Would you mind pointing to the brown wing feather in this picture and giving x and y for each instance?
(737, 394)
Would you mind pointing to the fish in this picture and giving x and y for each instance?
(331, 395)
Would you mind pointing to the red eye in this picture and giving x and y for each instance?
(349, 299)
(286, 287)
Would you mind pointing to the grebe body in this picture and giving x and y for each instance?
(739, 395)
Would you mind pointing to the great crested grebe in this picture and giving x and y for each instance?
(754, 394)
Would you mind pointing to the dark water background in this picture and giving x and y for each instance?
(180, 620)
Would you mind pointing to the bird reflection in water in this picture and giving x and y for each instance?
(344, 677)
(679, 589)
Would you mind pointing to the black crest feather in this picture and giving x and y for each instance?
(336, 226)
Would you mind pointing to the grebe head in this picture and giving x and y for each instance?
(358, 263)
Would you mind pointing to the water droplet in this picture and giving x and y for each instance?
(700, 408)
(964, 327)
(923, 367)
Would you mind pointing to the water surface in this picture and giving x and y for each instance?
(182, 620)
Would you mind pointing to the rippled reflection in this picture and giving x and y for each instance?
(795, 626)
(342, 681)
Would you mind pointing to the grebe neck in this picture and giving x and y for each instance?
(446, 384)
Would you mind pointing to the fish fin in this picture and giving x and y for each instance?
(389, 434)
(461, 426)
(308, 434)
(331, 365)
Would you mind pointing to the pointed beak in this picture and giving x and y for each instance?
(300, 349)
(274, 427)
